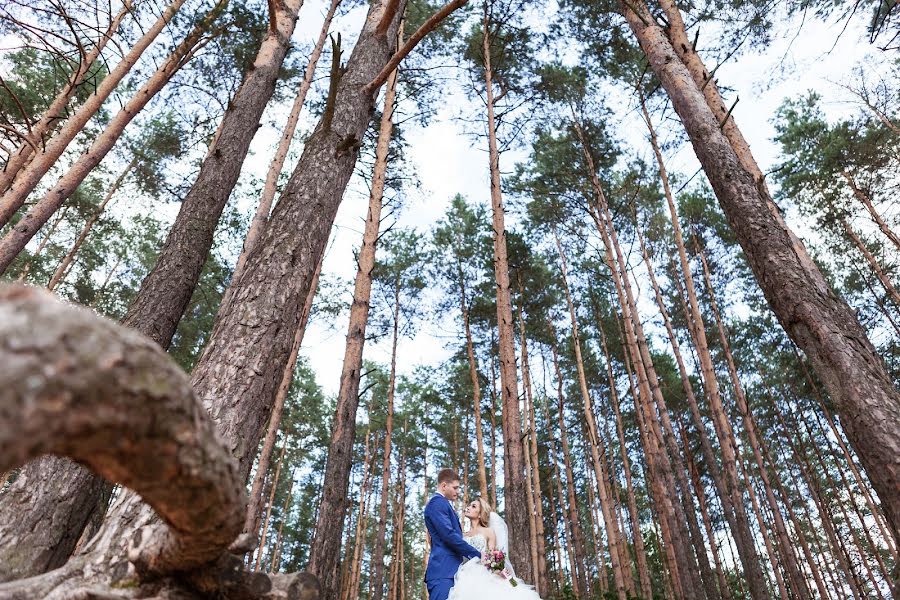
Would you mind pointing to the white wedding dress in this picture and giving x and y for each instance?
(475, 582)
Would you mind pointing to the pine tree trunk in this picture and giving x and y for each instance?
(28, 546)
(867, 202)
(493, 431)
(309, 203)
(19, 180)
(351, 591)
(234, 132)
(770, 550)
(399, 520)
(378, 555)
(704, 513)
(284, 387)
(167, 289)
(874, 507)
(602, 574)
(538, 553)
(825, 520)
(264, 208)
(576, 552)
(846, 519)
(594, 441)
(566, 539)
(740, 529)
(272, 490)
(789, 560)
(44, 125)
(476, 386)
(637, 535)
(513, 448)
(729, 488)
(276, 554)
(819, 322)
(63, 267)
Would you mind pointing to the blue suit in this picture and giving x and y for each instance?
(448, 548)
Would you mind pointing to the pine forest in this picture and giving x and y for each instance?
(627, 270)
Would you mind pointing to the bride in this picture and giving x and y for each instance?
(473, 580)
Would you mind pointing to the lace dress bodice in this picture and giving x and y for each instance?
(478, 541)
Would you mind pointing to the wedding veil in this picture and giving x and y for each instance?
(501, 531)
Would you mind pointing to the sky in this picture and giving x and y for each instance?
(449, 160)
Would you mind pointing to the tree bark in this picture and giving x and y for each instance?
(796, 579)
(819, 322)
(554, 519)
(729, 487)
(542, 582)
(594, 441)
(330, 522)
(30, 546)
(576, 552)
(704, 513)
(101, 421)
(251, 522)
(378, 555)
(167, 289)
(157, 294)
(513, 448)
(538, 551)
(638, 538)
(863, 485)
(264, 208)
(18, 237)
(15, 192)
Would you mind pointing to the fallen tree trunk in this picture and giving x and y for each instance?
(78, 385)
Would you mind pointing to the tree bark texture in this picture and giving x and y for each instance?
(100, 378)
(819, 321)
(284, 387)
(261, 216)
(41, 537)
(167, 289)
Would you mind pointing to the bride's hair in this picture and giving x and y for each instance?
(484, 512)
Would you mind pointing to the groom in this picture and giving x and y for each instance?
(448, 548)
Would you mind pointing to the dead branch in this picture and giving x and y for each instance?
(426, 28)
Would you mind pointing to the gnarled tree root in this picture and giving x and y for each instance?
(78, 385)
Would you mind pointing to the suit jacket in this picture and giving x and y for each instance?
(448, 548)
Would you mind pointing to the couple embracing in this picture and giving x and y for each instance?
(459, 567)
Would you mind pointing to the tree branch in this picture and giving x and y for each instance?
(426, 28)
(78, 385)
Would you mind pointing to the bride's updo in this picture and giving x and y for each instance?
(484, 512)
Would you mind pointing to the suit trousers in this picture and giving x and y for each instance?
(439, 589)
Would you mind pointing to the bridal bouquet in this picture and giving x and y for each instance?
(495, 562)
